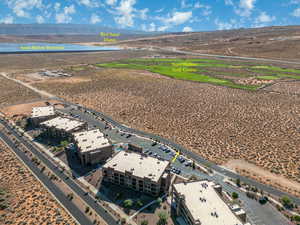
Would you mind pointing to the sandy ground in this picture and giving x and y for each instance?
(72, 80)
(218, 123)
(13, 93)
(24, 109)
(29, 201)
(266, 176)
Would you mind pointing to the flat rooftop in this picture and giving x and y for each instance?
(63, 123)
(42, 111)
(90, 140)
(140, 165)
(205, 205)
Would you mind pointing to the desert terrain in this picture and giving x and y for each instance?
(267, 42)
(26, 199)
(12, 62)
(13, 93)
(218, 123)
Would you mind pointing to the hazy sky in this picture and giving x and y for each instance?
(154, 15)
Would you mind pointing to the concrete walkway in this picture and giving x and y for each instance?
(90, 187)
(145, 206)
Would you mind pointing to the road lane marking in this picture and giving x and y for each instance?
(175, 157)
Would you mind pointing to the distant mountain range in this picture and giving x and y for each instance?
(62, 29)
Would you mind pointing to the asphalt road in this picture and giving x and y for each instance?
(229, 57)
(186, 152)
(59, 195)
(257, 214)
(68, 181)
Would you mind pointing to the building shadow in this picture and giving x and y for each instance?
(71, 158)
(118, 194)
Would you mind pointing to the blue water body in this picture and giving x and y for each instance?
(51, 47)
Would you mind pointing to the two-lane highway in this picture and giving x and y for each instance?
(89, 200)
(78, 216)
(197, 158)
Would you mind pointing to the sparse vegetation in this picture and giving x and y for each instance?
(33, 195)
(235, 195)
(163, 218)
(193, 108)
(128, 203)
(144, 222)
(12, 93)
(287, 202)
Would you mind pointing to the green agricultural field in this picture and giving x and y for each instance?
(206, 70)
(267, 77)
(78, 68)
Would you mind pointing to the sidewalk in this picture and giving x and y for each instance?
(90, 187)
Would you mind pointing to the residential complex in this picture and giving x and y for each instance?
(41, 114)
(92, 147)
(138, 171)
(201, 203)
(63, 127)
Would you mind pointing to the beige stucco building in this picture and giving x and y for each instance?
(92, 147)
(41, 114)
(63, 127)
(138, 171)
(201, 203)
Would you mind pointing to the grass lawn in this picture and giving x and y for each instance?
(267, 77)
(200, 70)
(180, 72)
(78, 68)
(277, 69)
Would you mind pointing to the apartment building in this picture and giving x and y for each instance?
(92, 147)
(138, 171)
(201, 203)
(63, 127)
(41, 114)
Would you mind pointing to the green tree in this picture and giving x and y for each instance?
(287, 202)
(194, 165)
(235, 195)
(159, 201)
(144, 222)
(296, 218)
(163, 218)
(123, 221)
(238, 182)
(64, 144)
(128, 203)
(139, 203)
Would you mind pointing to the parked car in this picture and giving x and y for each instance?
(181, 160)
(153, 144)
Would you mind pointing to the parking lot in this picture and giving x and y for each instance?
(179, 164)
